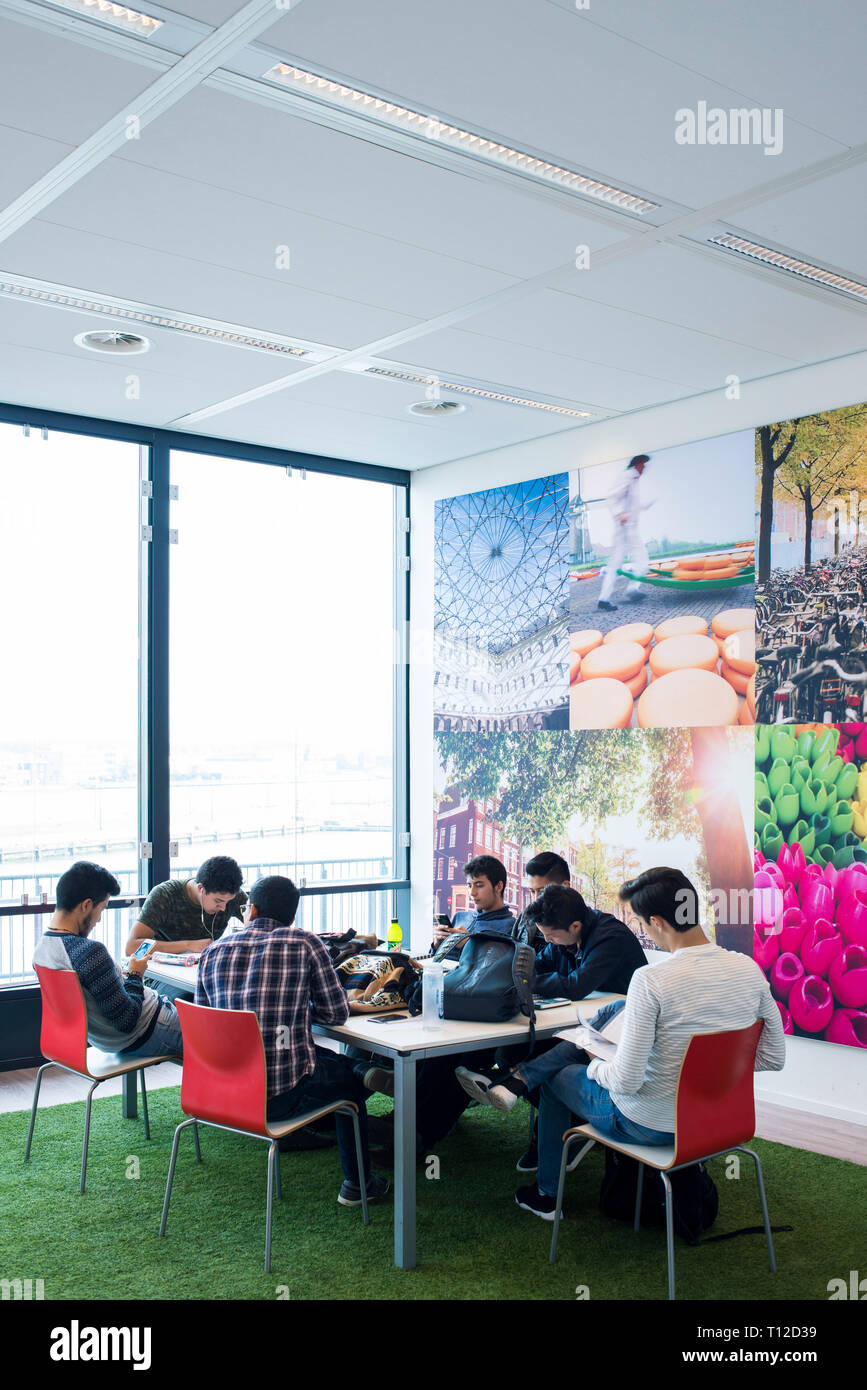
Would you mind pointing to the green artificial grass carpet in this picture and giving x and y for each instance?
(473, 1241)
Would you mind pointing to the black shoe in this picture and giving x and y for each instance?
(539, 1203)
(350, 1193)
(301, 1140)
(606, 606)
(529, 1161)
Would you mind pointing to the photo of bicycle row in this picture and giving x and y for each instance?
(811, 592)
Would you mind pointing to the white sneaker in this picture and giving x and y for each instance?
(475, 1083)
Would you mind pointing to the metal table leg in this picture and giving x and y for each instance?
(404, 1162)
(130, 1095)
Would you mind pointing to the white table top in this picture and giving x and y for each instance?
(409, 1035)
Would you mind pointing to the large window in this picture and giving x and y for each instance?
(218, 673)
(69, 697)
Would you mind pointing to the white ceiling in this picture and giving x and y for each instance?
(406, 254)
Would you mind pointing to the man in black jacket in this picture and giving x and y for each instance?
(584, 950)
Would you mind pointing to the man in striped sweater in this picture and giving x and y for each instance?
(123, 1015)
(700, 988)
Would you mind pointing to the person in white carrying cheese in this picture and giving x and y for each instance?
(700, 988)
(626, 508)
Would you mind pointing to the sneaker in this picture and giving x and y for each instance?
(606, 606)
(350, 1193)
(379, 1079)
(529, 1161)
(475, 1083)
(539, 1203)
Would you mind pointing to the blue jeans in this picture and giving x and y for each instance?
(165, 1038)
(566, 1091)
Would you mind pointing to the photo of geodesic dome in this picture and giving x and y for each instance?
(501, 608)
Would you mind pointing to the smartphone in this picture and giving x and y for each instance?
(551, 1003)
(445, 921)
(143, 950)
(389, 1018)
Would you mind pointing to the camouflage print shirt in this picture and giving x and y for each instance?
(171, 916)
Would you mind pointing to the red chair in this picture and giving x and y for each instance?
(63, 1040)
(225, 1086)
(714, 1114)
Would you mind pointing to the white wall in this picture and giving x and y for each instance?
(817, 1079)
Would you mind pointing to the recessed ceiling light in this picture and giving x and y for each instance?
(64, 297)
(119, 15)
(436, 409)
(767, 256)
(484, 394)
(431, 128)
(112, 340)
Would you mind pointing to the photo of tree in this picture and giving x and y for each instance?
(613, 802)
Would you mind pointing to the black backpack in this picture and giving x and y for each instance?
(493, 980)
(695, 1200)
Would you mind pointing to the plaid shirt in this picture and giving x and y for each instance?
(278, 972)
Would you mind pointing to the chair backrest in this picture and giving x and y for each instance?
(715, 1108)
(63, 1037)
(224, 1077)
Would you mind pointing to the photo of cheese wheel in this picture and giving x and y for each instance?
(583, 642)
(642, 633)
(600, 704)
(638, 683)
(733, 620)
(740, 651)
(618, 661)
(690, 651)
(684, 626)
(736, 679)
(687, 699)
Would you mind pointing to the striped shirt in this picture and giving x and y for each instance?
(279, 972)
(697, 989)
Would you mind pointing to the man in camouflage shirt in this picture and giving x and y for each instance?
(186, 915)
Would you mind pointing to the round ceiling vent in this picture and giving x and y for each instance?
(112, 340)
(436, 409)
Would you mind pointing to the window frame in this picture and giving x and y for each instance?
(156, 447)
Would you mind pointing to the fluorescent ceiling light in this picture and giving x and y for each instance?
(119, 15)
(767, 256)
(431, 128)
(62, 297)
(505, 397)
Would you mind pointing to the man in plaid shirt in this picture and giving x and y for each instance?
(285, 976)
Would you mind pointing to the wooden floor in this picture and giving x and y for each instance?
(60, 1087)
(819, 1134)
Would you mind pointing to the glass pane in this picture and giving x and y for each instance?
(282, 675)
(69, 556)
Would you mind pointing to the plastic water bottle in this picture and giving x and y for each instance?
(432, 996)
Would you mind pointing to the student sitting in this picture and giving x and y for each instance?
(584, 950)
(123, 1015)
(279, 971)
(702, 989)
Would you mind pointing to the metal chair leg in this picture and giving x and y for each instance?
(171, 1176)
(144, 1105)
(638, 1191)
(359, 1158)
(766, 1219)
(44, 1066)
(86, 1135)
(269, 1212)
(669, 1232)
(564, 1161)
(196, 1137)
(278, 1183)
